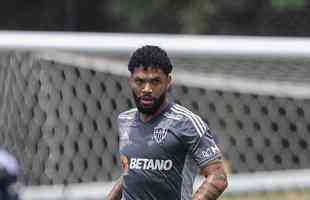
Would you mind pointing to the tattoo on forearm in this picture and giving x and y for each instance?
(116, 192)
(211, 188)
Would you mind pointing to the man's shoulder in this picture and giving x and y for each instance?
(188, 119)
(181, 113)
(128, 115)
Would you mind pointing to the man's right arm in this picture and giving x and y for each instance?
(116, 192)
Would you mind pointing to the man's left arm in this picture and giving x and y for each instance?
(215, 181)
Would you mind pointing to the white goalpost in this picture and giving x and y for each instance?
(193, 45)
(62, 46)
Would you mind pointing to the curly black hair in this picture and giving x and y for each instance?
(150, 56)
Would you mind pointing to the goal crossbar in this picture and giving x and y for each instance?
(175, 44)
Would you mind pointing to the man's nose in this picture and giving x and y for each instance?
(147, 88)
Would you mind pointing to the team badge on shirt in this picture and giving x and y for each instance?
(159, 134)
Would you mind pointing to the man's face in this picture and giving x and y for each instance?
(149, 87)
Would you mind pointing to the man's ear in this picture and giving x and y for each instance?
(169, 82)
(130, 81)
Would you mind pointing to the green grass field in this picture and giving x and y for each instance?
(300, 195)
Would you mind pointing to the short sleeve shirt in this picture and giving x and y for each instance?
(160, 158)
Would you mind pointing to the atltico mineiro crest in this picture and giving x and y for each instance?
(159, 134)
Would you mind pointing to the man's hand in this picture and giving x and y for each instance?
(214, 184)
(116, 192)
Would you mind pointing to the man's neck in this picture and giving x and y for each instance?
(148, 117)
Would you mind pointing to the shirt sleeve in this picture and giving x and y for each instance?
(8, 162)
(122, 122)
(200, 142)
(121, 130)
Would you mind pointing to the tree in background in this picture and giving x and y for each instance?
(238, 17)
(288, 3)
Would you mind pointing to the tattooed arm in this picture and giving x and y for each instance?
(214, 184)
(116, 192)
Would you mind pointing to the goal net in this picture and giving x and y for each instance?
(58, 113)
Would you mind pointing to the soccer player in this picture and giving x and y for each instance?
(8, 176)
(163, 144)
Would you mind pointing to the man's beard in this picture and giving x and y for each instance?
(149, 110)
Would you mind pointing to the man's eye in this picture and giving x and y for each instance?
(139, 81)
(155, 81)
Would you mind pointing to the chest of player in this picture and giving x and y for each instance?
(151, 142)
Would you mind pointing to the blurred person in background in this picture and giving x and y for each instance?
(163, 144)
(8, 176)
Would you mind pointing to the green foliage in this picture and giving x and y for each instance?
(169, 16)
(194, 18)
(288, 3)
(236, 17)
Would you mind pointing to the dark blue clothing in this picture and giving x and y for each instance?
(8, 176)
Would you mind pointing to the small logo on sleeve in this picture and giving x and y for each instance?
(159, 134)
(210, 152)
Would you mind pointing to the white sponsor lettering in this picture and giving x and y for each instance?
(150, 165)
(132, 164)
(138, 163)
(168, 165)
(159, 164)
(143, 163)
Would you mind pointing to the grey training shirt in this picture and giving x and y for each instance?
(160, 158)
